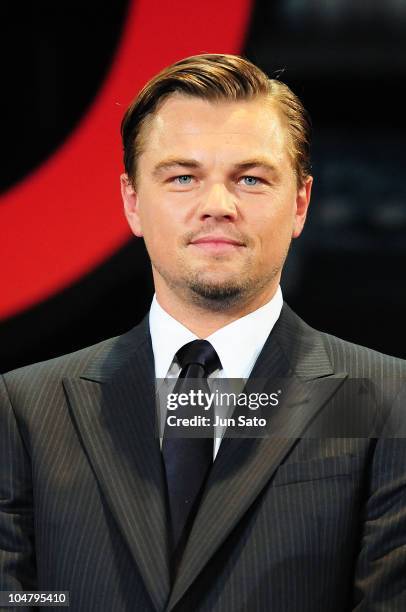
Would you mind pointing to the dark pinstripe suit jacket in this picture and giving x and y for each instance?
(287, 523)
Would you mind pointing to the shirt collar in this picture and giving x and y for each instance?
(238, 344)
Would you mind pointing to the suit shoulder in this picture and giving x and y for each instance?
(103, 356)
(360, 360)
(69, 364)
(343, 355)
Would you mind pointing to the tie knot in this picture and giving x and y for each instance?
(199, 352)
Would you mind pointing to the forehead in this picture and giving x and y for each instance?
(188, 124)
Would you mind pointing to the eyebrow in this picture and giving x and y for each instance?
(168, 164)
(257, 163)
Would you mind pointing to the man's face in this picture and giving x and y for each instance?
(216, 200)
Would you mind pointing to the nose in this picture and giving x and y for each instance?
(218, 202)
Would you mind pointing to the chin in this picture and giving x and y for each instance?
(216, 295)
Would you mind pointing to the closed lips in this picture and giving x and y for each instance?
(217, 239)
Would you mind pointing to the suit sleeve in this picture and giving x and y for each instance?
(380, 572)
(17, 558)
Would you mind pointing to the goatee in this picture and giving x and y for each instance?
(215, 297)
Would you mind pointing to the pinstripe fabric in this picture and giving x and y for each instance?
(289, 523)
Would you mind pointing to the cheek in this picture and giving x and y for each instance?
(169, 228)
(281, 219)
(273, 232)
(160, 231)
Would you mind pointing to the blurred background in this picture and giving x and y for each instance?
(73, 275)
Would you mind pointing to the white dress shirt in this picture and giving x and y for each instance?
(237, 344)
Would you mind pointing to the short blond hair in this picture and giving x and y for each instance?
(218, 77)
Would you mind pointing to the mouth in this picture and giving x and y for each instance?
(217, 244)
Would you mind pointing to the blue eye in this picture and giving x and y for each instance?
(251, 181)
(184, 179)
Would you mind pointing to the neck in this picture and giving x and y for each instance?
(203, 321)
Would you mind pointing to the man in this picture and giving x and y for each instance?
(217, 181)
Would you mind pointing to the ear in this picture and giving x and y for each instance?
(131, 205)
(302, 205)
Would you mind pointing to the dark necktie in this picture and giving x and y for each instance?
(187, 460)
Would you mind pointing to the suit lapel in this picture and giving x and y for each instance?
(295, 353)
(113, 405)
